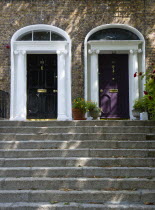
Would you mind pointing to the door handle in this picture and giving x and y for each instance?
(113, 90)
(101, 90)
(42, 90)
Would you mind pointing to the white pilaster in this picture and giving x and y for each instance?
(94, 75)
(62, 103)
(133, 81)
(20, 86)
(140, 67)
(68, 84)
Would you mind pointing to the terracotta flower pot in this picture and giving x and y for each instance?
(78, 114)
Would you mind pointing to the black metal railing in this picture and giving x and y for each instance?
(4, 104)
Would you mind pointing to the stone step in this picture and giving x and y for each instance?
(78, 129)
(71, 184)
(76, 162)
(101, 196)
(150, 136)
(55, 205)
(28, 153)
(75, 136)
(73, 144)
(77, 165)
(87, 172)
(78, 123)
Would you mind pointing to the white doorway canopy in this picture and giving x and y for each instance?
(105, 39)
(25, 41)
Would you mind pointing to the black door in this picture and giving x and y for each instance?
(114, 85)
(41, 86)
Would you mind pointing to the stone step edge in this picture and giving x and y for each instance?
(80, 158)
(74, 121)
(70, 168)
(74, 140)
(65, 206)
(136, 179)
(139, 191)
(80, 149)
(68, 141)
(78, 133)
(85, 167)
(79, 126)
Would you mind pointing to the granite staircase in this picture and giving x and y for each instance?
(95, 165)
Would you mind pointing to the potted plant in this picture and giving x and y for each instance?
(140, 106)
(79, 108)
(94, 110)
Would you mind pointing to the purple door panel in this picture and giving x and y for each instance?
(114, 85)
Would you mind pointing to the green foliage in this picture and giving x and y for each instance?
(97, 109)
(150, 92)
(91, 105)
(81, 104)
(148, 100)
(140, 105)
(85, 106)
(150, 97)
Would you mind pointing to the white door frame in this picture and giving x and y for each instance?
(19, 51)
(136, 51)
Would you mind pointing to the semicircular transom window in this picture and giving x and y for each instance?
(113, 34)
(40, 35)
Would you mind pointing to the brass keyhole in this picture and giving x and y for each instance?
(42, 65)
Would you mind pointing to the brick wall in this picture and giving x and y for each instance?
(77, 18)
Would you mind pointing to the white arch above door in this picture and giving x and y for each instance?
(136, 51)
(19, 50)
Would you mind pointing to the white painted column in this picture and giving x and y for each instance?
(68, 84)
(20, 87)
(140, 67)
(94, 75)
(62, 100)
(133, 81)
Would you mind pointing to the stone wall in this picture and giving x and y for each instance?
(77, 18)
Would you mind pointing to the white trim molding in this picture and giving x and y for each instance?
(19, 51)
(134, 48)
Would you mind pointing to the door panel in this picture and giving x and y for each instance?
(114, 85)
(41, 86)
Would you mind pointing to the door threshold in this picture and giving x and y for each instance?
(41, 119)
(115, 119)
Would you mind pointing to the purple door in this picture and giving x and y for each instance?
(114, 85)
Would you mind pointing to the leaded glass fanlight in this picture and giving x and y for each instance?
(25, 37)
(41, 36)
(113, 34)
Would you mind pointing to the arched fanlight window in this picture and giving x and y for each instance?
(41, 36)
(113, 34)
